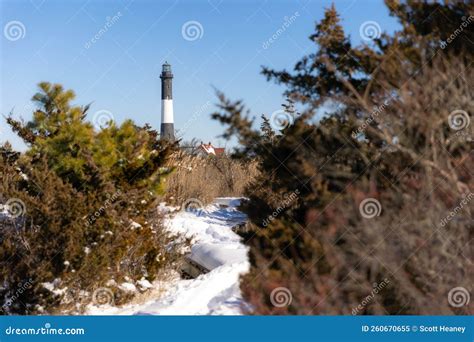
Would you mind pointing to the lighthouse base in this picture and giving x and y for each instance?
(167, 131)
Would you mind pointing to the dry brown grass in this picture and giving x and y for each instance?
(205, 178)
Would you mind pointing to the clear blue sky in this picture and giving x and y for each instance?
(119, 72)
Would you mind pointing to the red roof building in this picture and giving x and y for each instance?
(209, 149)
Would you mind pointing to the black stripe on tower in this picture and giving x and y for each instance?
(166, 82)
(167, 131)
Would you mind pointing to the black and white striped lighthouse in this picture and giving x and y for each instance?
(167, 120)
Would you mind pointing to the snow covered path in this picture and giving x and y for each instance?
(214, 246)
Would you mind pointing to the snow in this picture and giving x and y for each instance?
(4, 214)
(214, 247)
(134, 225)
(214, 293)
(127, 287)
(111, 282)
(144, 284)
(48, 286)
(228, 201)
(212, 256)
(53, 287)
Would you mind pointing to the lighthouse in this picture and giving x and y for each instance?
(167, 120)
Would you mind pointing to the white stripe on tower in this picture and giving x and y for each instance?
(167, 111)
(167, 119)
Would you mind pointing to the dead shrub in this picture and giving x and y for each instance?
(207, 177)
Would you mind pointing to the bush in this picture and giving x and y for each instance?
(368, 210)
(87, 209)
